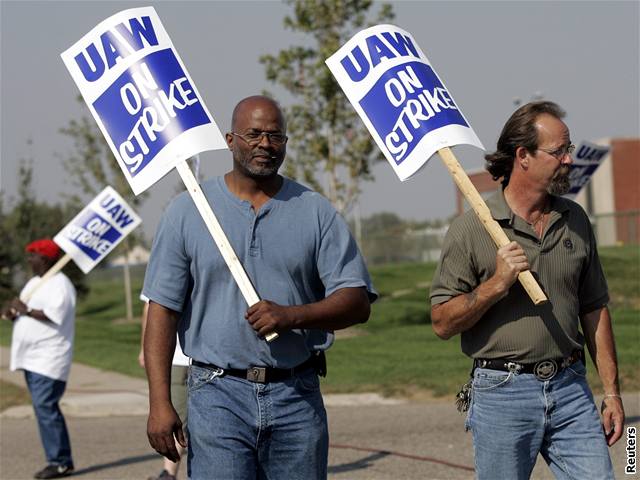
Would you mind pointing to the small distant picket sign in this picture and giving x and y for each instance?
(92, 234)
(149, 111)
(586, 160)
(410, 113)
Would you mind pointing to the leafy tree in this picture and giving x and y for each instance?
(327, 137)
(28, 220)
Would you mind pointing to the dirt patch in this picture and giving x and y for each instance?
(349, 333)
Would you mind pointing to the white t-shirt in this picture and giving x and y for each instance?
(46, 348)
(179, 358)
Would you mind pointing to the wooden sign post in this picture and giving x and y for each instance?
(480, 207)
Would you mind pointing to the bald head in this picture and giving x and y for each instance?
(255, 102)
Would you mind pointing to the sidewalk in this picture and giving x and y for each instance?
(371, 438)
(92, 392)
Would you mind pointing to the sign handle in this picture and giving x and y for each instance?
(220, 238)
(55, 268)
(480, 207)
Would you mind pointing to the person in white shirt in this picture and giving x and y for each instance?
(179, 375)
(42, 346)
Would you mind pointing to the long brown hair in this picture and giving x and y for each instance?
(519, 131)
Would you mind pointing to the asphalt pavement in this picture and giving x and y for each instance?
(372, 437)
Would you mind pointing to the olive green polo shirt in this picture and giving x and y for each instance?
(564, 262)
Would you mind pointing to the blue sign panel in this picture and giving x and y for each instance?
(147, 107)
(406, 103)
(92, 234)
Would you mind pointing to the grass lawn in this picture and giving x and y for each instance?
(396, 352)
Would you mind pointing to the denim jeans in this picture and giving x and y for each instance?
(243, 430)
(515, 417)
(45, 397)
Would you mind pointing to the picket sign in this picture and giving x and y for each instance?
(216, 231)
(479, 206)
(411, 115)
(55, 268)
(150, 112)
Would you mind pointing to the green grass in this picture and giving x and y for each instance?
(396, 352)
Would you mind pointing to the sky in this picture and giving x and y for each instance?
(490, 55)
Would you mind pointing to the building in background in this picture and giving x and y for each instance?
(611, 198)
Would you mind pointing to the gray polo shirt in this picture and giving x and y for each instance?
(565, 262)
(296, 250)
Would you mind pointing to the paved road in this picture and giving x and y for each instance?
(370, 439)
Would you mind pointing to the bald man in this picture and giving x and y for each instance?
(255, 408)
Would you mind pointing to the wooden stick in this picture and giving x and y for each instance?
(55, 268)
(220, 238)
(480, 207)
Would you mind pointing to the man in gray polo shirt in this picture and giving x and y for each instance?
(529, 394)
(255, 408)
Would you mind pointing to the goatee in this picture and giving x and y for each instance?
(560, 184)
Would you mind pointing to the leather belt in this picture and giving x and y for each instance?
(543, 370)
(262, 374)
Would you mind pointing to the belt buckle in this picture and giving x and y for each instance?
(545, 369)
(257, 374)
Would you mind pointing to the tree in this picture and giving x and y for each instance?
(92, 167)
(26, 221)
(327, 137)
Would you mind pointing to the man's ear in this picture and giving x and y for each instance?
(229, 138)
(522, 157)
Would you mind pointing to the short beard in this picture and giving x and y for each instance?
(560, 184)
(258, 172)
(261, 172)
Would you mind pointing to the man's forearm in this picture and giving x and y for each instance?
(464, 311)
(601, 344)
(159, 346)
(341, 309)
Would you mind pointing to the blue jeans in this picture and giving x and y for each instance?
(45, 397)
(515, 417)
(243, 430)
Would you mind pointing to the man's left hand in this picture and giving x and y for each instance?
(612, 419)
(14, 309)
(266, 317)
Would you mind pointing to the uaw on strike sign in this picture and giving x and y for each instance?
(141, 96)
(402, 101)
(97, 229)
(586, 160)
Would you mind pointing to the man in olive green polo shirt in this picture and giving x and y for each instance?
(529, 393)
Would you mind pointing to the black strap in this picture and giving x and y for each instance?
(269, 374)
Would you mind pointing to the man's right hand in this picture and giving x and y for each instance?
(510, 261)
(163, 426)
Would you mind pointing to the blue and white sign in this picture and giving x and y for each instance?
(97, 229)
(141, 96)
(586, 159)
(399, 96)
